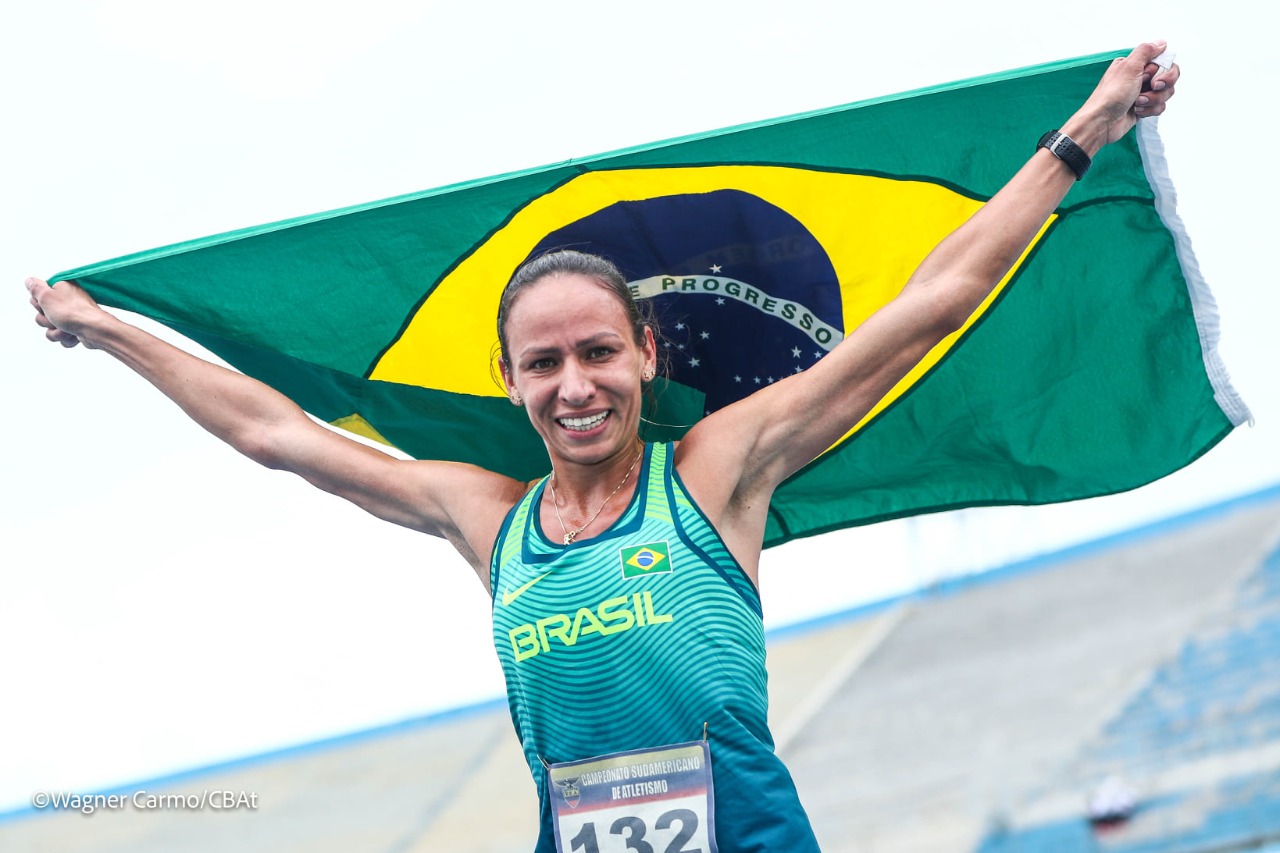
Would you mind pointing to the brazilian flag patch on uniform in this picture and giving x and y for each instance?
(641, 560)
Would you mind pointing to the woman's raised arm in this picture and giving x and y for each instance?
(737, 456)
(461, 503)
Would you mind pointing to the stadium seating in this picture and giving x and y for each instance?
(1203, 735)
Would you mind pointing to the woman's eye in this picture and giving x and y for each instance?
(599, 352)
(542, 364)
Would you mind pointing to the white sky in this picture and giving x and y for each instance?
(165, 604)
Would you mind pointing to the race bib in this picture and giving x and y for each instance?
(647, 800)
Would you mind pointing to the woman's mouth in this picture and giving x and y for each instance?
(583, 424)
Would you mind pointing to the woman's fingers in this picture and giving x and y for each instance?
(60, 308)
(60, 337)
(1153, 100)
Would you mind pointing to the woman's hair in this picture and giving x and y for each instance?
(570, 262)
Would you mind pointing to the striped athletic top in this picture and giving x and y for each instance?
(635, 638)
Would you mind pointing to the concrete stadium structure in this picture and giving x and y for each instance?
(974, 716)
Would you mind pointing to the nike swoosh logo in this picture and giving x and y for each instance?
(509, 596)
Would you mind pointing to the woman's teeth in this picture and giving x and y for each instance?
(582, 424)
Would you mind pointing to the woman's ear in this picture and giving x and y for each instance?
(649, 365)
(513, 394)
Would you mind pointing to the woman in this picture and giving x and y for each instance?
(624, 583)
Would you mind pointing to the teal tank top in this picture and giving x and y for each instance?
(635, 638)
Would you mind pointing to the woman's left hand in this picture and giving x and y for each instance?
(1132, 88)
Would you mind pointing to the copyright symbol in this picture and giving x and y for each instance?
(40, 800)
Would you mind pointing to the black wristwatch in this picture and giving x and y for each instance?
(1065, 149)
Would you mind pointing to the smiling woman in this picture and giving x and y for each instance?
(576, 372)
(632, 644)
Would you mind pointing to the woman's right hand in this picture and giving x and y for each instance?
(65, 311)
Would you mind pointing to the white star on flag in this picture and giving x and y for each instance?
(715, 268)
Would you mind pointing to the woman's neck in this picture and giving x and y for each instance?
(584, 496)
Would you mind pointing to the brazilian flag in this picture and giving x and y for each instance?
(1091, 369)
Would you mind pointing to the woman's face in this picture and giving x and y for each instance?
(574, 359)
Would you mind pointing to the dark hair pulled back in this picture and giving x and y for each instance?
(571, 262)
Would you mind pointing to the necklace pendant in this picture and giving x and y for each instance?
(568, 537)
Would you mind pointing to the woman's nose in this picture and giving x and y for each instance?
(576, 387)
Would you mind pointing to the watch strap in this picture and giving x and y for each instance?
(1065, 149)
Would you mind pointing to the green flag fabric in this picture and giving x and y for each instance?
(1092, 368)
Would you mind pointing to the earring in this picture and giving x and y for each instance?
(516, 399)
(647, 375)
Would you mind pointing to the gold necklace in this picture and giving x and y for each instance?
(570, 535)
